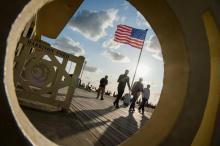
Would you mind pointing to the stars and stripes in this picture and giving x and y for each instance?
(132, 36)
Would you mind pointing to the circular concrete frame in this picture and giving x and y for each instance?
(176, 65)
(176, 68)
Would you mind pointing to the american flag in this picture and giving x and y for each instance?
(132, 36)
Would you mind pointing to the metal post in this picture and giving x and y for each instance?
(138, 62)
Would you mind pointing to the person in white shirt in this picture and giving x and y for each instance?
(145, 98)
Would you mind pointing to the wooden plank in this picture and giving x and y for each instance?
(102, 118)
(98, 119)
(118, 129)
(112, 116)
(93, 126)
(121, 111)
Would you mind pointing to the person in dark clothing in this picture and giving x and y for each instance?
(145, 98)
(103, 83)
(122, 81)
(136, 90)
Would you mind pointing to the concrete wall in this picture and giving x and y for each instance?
(193, 103)
(8, 125)
(15, 128)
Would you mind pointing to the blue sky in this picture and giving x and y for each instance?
(90, 33)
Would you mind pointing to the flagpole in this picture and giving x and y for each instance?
(138, 61)
(136, 66)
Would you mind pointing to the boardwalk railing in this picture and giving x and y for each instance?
(41, 75)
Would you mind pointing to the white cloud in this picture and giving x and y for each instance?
(92, 69)
(69, 45)
(153, 46)
(125, 5)
(158, 56)
(116, 56)
(122, 19)
(141, 21)
(93, 24)
(111, 44)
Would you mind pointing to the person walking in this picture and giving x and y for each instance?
(136, 90)
(145, 98)
(122, 81)
(103, 83)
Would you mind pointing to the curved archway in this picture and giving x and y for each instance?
(176, 64)
(187, 89)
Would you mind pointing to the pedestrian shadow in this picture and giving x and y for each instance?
(119, 130)
(58, 125)
(144, 119)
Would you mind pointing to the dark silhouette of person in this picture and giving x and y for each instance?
(145, 98)
(122, 81)
(135, 91)
(103, 83)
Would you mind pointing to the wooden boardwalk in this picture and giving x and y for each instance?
(91, 122)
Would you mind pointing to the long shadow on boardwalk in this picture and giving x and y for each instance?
(58, 126)
(119, 130)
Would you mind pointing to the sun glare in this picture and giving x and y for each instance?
(143, 70)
